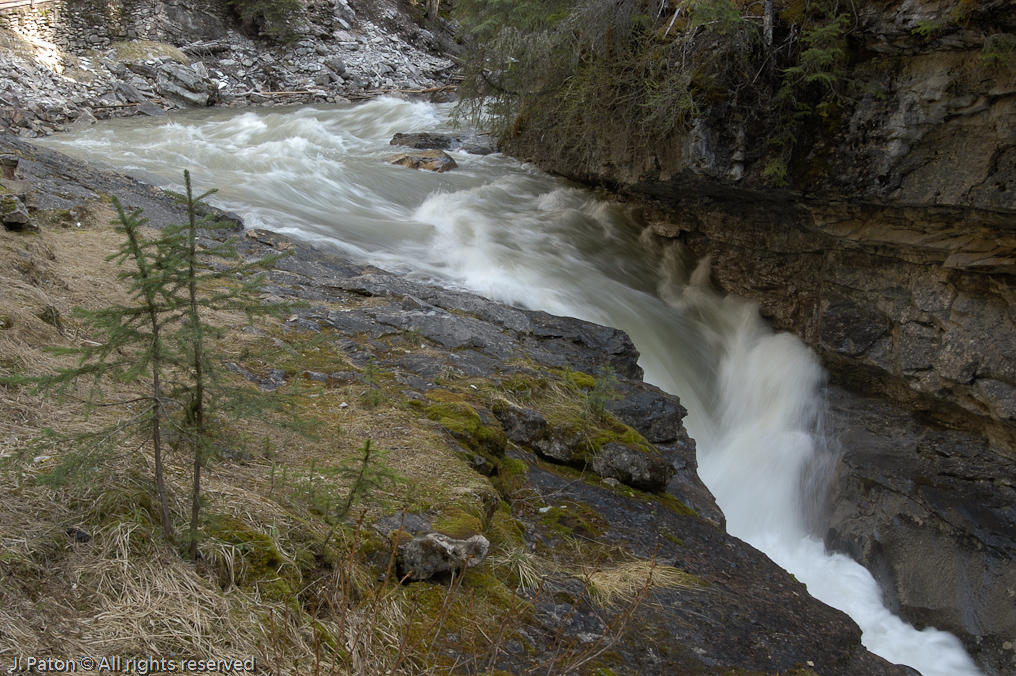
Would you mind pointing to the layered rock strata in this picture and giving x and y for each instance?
(891, 253)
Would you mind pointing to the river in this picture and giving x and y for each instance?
(512, 233)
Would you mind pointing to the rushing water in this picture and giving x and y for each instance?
(512, 233)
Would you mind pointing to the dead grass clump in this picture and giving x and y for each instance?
(620, 584)
(521, 565)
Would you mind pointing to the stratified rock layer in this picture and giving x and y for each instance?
(892, 253)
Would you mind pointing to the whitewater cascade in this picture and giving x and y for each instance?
(512, 233)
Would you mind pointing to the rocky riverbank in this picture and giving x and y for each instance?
(889, 250)
(889, 254)
(485, 408)
(62, 65)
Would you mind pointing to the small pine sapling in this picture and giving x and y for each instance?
(196, 286)
(131, 347)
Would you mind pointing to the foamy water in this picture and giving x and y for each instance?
(512, 233)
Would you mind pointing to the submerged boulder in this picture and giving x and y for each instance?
(431, 160)
(425, 141)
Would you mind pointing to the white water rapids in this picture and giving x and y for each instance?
(512, 233)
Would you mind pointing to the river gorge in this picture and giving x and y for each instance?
(806, 230)
(505, 230)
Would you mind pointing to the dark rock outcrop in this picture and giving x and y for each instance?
(936, 529)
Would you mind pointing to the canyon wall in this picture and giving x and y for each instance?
(891, 251)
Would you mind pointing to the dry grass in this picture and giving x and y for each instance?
(523, 565)
(127, 590)
(16, 44)
(619, 584)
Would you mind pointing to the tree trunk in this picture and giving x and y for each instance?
(432, 7)
(160, 481)
(767, 22)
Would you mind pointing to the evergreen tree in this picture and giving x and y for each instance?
(191, 282)
(164, 336)
(131, 347)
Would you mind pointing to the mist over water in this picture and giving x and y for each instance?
(512, 233)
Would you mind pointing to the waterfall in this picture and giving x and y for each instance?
(512, 233)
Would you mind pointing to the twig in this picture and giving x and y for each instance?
(116, 105)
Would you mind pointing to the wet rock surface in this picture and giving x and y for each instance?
(932, 513)
(427, 160)
(473, 144)
(736, 610)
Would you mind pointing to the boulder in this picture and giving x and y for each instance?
(183, 85)
(14, 214)
(521, 425)
(431, 160)
(477, 149)
(425, 141)
(336, 65)
(632, 466)
(657, 416)
(151, 110)
(560, 444)
(128, 93)
(428, 555)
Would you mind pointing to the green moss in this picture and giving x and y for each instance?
(582, 380)
(672, 503)
(614, 431)
(573, 519)
(510, 478)
(460, 415)
(458, 523)
(523, 387)
(504, 530)
(260, 564)
(670, 537)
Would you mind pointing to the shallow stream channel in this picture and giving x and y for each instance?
(512, 233)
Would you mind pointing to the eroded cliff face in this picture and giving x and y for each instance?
(891, 252)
